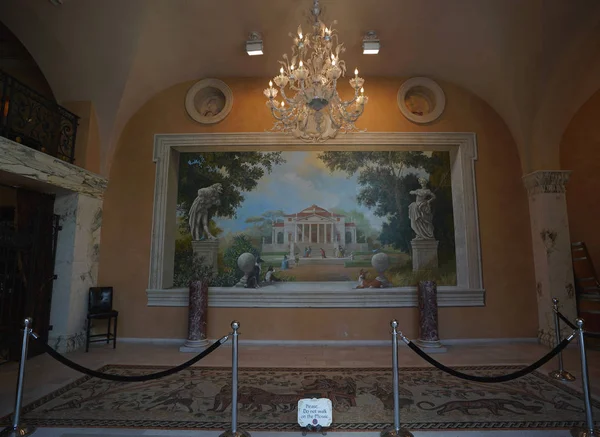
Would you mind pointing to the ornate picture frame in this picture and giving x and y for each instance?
(209, 101)
(468, 290)
(421, 100)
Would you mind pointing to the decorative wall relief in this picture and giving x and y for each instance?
(209, 101)
(570, 290)
(421, 100)
(549, 239)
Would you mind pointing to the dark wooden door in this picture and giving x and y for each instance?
(27, 252)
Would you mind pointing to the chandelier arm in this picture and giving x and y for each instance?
(287, 117)
(285, 97)
(352, 117)
(346, 103)
(275, 111)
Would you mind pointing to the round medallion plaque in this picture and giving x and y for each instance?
(209, 101)
(421, 100)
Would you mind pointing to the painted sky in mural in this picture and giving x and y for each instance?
(303, 180)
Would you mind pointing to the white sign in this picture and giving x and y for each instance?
(315, 412)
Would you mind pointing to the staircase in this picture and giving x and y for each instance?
(587, 289)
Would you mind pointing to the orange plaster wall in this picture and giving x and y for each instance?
(580, 153)
(503, 213)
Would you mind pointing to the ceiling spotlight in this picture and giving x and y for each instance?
(254, 45)
(371, 43)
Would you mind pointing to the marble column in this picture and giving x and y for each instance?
(551, 248)
(198, 298)
(76, 267)
(198, 310)
(429, 339)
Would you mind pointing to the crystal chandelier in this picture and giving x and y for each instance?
(316, 112)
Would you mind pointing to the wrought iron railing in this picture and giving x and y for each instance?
(29, 118)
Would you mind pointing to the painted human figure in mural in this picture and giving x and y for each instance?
(199, 212)
(419, 212)
(285, 263)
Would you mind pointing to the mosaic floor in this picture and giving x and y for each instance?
(44, 375)
(200, 398)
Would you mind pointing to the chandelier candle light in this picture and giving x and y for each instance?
(316, 112)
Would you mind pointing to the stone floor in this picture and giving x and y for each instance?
(43, 374)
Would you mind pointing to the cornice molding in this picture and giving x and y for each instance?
(409, 140)
(316, 295)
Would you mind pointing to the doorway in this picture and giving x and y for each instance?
(28, 235)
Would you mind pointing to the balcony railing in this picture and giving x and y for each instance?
(33, 120)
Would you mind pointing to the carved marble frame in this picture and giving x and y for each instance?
(469, 290)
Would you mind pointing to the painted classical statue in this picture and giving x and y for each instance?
(207, 198)
(419, 212)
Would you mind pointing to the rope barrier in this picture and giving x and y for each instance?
(572, 326)
(567, 321)
(491, 379)
(138, 378)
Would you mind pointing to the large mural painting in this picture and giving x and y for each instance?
(318, 216)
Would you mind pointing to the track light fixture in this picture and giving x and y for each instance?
(254, 45)
(371, 43)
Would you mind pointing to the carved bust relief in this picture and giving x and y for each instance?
(421, 100)
(209, 101)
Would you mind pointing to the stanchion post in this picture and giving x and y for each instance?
(18, 429)
(561, 374)
(234, 431)
(589, 430)
(396, 431)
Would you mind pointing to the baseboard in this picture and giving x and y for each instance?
(335, 343)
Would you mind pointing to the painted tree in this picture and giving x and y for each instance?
(237, 172)
(364, 230)
(262, 224)
(386, 177)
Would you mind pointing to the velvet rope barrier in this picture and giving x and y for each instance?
(491, 379)
(572, 326)
(138, 378)
(567, 321)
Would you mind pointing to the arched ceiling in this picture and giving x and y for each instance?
(522, 57)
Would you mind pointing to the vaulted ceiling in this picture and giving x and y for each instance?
(534, 61)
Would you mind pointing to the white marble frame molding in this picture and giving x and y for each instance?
(469, 290)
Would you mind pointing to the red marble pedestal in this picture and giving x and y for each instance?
(429, 339)
(197, 312)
